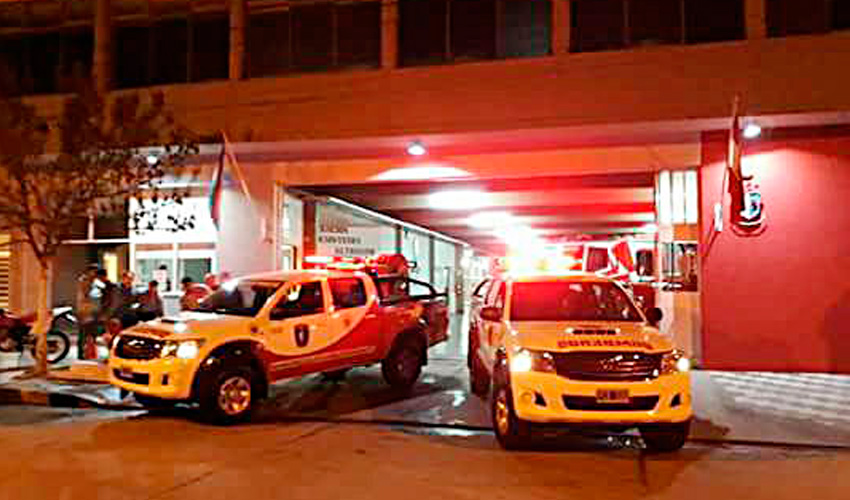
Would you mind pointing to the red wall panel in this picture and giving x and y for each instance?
(779, 299)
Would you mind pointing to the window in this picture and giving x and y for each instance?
(171, 51)
(473, 29)
(655, 22)
(525, 28)
(796, 17)
(132, 56)
(245, 298)
(359, 34)
(598, 25)
(210, 47)
(571, 301)
(597, 259)
(268, 44)
(679, 267)
(347, 292)
(714, 21)
(437, 31)
(312, 37)
(422, 31)
(301, 300)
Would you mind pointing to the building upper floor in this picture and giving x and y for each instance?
(271, 70)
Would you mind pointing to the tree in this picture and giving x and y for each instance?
(103, 158)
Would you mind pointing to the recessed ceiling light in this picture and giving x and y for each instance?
(152, 159)
(457, 200)
(416, 148)
(752, 130)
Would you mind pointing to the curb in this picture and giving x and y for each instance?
(21, 396)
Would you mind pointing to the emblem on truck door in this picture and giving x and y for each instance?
(302, 335)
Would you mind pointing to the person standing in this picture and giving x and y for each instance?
(193, 294)
(128, 299)
(86, 309)
(150, 303)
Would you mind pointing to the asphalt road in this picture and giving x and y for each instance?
(100, 455)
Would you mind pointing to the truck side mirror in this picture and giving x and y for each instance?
(491, 314)
(654, 316)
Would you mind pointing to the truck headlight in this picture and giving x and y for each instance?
(184, 349)
(534, 361)
(675, 362)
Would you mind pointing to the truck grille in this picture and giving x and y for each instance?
(613, 366)
(131, 347)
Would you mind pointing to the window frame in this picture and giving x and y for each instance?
(337, 306)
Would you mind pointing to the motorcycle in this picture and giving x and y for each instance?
(16, 333)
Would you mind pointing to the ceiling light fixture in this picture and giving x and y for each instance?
(752, 130)
(152, 159)
(416, 148)
(457, 200)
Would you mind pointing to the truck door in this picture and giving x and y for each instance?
(491, 331)
(354, 321)
(298, 323)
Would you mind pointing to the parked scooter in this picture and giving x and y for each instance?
(16, 333)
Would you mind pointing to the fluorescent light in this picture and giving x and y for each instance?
(752, 130)
(488, 220)
(424, 172)
(457, 200)
(416, 148)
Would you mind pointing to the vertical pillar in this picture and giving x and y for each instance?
(238, 20)
(310, 221)
(399, 245)
(432, 257)
(102, 57)
(389, 34)
(755, 19)
(560, 29)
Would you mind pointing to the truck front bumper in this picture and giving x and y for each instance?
(549, 398)
(166, 378)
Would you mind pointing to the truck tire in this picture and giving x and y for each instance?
(663, 438)
(402, 366)
(229, 394)
(512, 432)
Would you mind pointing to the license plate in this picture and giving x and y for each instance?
(612, 395)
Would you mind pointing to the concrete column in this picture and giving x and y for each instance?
(389, 34)
(561, 23)
(238, 21)
(755, 19)
(102, 58)
(310, 221)
(432, 257)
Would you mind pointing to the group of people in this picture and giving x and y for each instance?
(104, 306)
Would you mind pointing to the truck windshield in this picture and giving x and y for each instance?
(571, 301)
(240, 298)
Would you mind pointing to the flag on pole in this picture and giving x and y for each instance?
(226, 163)
(733, 160)
(215, 190)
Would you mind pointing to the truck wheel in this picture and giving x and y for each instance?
(665, 437)
(403, 364)
(230, 395)
(479, 379)
(512, 432)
